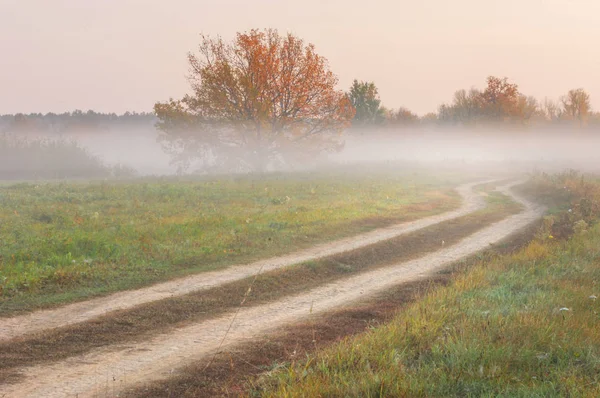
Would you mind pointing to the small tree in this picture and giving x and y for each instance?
(429, 118)
(551, 110)
(364, 97)
(402, 117)
(528, 109)
(576, 105)
(261, 99)
(464, 109)
(500, 100)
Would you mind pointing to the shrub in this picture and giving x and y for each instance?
(23, 159)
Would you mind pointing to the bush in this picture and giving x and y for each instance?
(573, 198)
(22, 159)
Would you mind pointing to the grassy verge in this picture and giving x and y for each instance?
(524, 324)
(66, 241)
(158, 317)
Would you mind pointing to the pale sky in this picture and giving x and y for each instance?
(119, 55)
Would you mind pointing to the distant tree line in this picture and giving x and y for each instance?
(499, 103)
(76, 121)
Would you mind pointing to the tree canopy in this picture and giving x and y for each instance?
(576, 105)
(260, 99)
(364, 97)
(500, 102)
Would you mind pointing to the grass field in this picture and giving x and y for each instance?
(161, 316)
(519, 325)
(65, 241)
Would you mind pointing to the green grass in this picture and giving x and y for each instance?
(66, 241)
(163, 315)
(520, 325)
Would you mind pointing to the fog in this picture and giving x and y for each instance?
(129, 151)
(138, 150)
(506, 150)
(523, 150)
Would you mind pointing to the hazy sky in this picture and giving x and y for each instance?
(118, 55)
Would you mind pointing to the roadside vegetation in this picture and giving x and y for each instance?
(63, 241)
(521, 324)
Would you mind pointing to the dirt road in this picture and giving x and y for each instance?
(86, 310)
(105, 372)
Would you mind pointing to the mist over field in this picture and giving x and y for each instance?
(519, 151)
(138, 150)
(515, 150)
(525, 152)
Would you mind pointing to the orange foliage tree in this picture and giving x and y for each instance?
(500, 99)
(499, 102)
(261, 99)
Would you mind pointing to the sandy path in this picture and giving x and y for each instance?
(105, 372)
(86, 310)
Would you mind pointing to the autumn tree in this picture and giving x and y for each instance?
(576, 105)
(401, 117)
(528, 109)
(260, 99)
(500, 100)
(364, 97)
